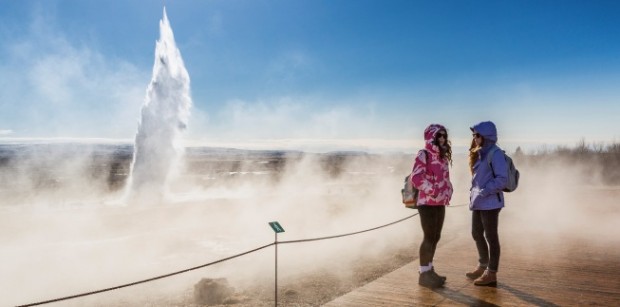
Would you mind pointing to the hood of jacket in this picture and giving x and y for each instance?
(429, 136)
(487, 130)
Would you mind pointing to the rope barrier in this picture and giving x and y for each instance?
(357, 232)
(347, 234)
(146, 280)
(218, 261)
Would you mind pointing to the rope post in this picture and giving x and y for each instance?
(277, 228)
(276, 270)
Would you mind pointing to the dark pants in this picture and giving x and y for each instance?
(484, 231)
(431, 218)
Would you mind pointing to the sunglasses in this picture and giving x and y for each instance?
(476, 135)
(442, 134)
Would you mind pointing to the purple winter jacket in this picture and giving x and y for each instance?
(486, 190)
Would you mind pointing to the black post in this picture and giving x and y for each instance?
(276, 265)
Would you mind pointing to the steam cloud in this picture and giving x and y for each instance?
(88, 246)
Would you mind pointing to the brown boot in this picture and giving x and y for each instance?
(476, 273)
(488, 279)
(430, 280)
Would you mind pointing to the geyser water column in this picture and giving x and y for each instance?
(163, 118)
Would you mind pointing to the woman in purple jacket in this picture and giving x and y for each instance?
(486, 200)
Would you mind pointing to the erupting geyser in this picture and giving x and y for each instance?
(164, 116)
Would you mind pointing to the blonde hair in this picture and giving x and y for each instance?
(474, 154)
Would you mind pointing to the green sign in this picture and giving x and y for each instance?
(276, 227)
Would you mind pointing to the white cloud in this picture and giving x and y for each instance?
(299, 123)
(289, 117)
(57, 87)
(5, 131)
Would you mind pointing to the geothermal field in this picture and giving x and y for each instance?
(68, 228)
(146, 223)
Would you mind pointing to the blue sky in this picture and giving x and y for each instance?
(318, 75)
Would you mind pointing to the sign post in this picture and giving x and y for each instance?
(277, 228)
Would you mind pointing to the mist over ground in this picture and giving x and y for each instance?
(64, 229)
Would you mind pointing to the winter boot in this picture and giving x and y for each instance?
(476, 273)
(430, 280)
(443, 278)
(488, 279)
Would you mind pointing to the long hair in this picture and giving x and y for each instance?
(474, 154)
(445, 152)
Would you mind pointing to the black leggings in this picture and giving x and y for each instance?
(484, 231)
(431, 218)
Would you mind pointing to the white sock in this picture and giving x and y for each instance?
(425, 268)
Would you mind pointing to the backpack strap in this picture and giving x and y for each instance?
(489, 161)
(490, 158)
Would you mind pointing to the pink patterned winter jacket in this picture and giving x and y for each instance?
(432, 177)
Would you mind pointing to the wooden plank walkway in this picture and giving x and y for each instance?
(534, 271)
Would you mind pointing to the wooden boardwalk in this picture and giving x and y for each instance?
(534, 271)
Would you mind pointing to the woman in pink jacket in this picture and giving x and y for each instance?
(431, 176)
